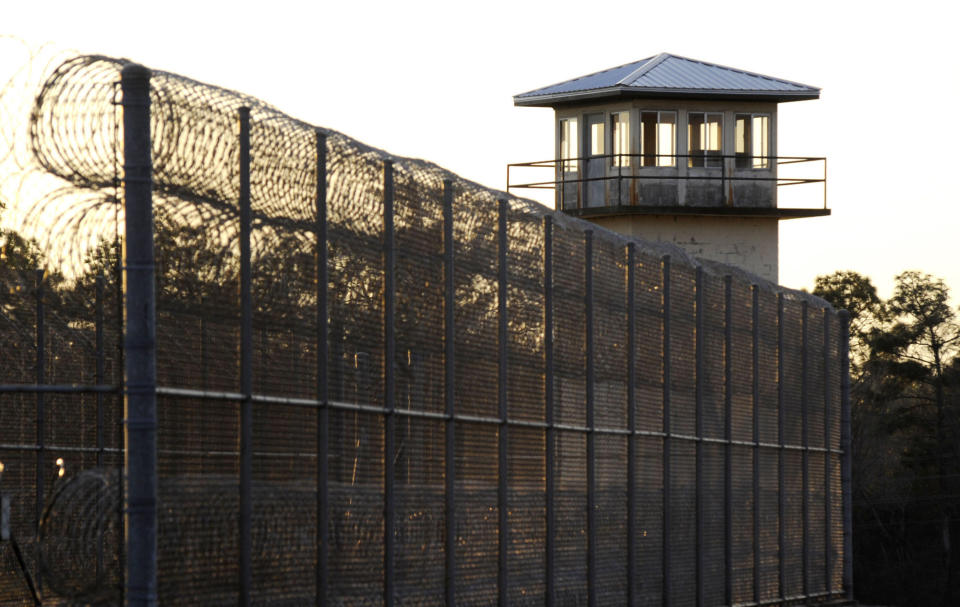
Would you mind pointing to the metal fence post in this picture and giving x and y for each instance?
(728, 437)
(323, 376)
(389, 384)
(827, 456)
(805, 454)
(551, 438)
(140, 341)
(755, 396)
(246, 366)
(633, 591)
(98, 380)
(591, 438)
(781, 457)
(665, 352)
(100, 365)
(41, 363)
(698, 422)
(450, 384)
(846, 445)
(503, 470)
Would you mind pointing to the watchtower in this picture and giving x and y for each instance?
(674, 149)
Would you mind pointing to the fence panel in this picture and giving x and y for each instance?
(406, 389)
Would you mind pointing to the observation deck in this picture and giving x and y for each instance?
(609, 185)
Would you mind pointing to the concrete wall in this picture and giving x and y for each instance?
(746, 242)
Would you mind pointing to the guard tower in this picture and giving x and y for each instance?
(673, 149)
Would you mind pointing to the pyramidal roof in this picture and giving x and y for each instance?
(667, 75)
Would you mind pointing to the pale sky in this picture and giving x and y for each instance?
(435, 80)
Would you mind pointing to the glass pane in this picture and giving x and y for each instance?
(596, 139)
(714, 139)
(666, 139)
(648, 137)
(761, 150)
(620, 127)
(568, 143)
(714, 132)
(743, 140)
(695, 138)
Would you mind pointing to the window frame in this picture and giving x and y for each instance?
(709, 161)
(624, 161)
(568, 163)
(655, 154)
(750, 158)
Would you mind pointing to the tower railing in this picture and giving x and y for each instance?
(625, 181)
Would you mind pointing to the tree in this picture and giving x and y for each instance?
(905, 393)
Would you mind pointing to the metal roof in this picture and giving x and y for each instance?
(667, 75)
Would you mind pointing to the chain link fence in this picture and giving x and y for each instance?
(379, 383)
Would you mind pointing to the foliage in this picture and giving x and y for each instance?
(905, 393)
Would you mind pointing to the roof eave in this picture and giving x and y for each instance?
(620, 92)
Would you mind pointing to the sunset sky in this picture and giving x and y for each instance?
(435, 80)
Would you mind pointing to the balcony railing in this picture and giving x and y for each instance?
(648, 182)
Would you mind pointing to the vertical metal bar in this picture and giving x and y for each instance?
(728, 435)
(633, 590)
(827, 456)
(560, 203)
(755, 396)
(665, 286)
(824, 183)
(551, 438)
(140, 341)
(246, 366)
(323, 377)
(98, 379)
(846, 470)
(503, 470)
(781, 457)
(698, 446)
(41, 363)
(389, 384)
(450, 382)
(591, 439)
(120, 436)
(805, 454)
(101, 366)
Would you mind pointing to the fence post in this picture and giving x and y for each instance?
(728, 437)
(389, 384)
(323, 375)
(246, 366)
(827, 456)
(450, 383)
(805, 442)
(591, 438)
(666, 548)
(140, 341)
(503, 469)
(98, 380)
(633, 592)
(755, 395)
(551, 438)
(698, 422)
(41, 363)
(846, 445)
(101, 365)
(781, 458)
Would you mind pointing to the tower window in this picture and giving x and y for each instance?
(568, 144)
(658, 135)
(753, 141)
(620, 131)
(705, 139)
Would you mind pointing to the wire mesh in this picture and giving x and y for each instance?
(387, 465)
